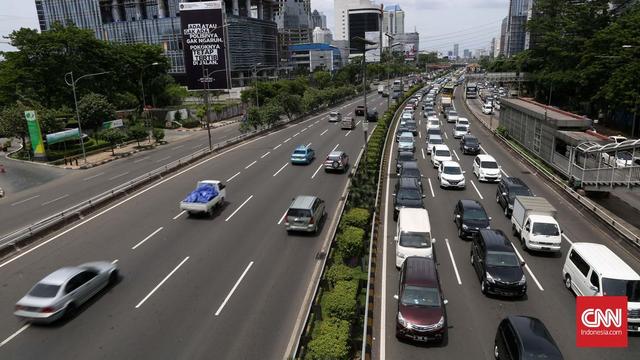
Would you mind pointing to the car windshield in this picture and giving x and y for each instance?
(461, 128)
(475, 214)
(620, 287)
(420, 296)
(624, 155)
(299, 213)
(415, 240)
(434, 122)
(546, 229)
(411, 123)
(470, 141)
(435, 141)
(453, 113)
(405, 157)
(334, 157)
(406, 139)
(489, 165)
(443, 153)
(452, 170)
(299, 152)
(432, 113)
(44, 290)
(502, 258)
(520, 191)
(409, 194)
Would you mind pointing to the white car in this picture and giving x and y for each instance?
(440, 153)
(487, 109)
(433, 123)
(406, 116)
(486, 168)
(450, 174)
(452, 116)
(463, 121)
(620, 159)
(406, 142)
(460, 131)
(432, 140)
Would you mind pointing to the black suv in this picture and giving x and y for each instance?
(411, 126)
(410, 169)
(469, 144)
(470, 217)
(497, 265)
(408, 193)
(508, 189)
(372, 115)
(402, 157)
(520, 336)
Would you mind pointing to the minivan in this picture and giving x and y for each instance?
(594, 270)
(347, 123)
(305, 214)
(524, 337)
(413, 235)
(421, 314)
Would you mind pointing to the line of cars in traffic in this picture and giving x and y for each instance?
(421, 310)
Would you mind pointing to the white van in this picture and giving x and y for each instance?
(594, 270)
(413, 235)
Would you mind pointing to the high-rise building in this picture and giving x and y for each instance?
(158, 22)
(515, 39)
(362, 21)
(393, 19)
(294, 24)
(503, 36)
(322, 36)
(467, 54)
(456, 49)
(450, 54)
(341, 13)
(318, 19)
(492, 49)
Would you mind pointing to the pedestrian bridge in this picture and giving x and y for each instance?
(503, 77)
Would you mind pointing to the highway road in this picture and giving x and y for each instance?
(473, 318)
(74, 186)
(226, 287)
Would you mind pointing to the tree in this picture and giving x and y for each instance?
(112, 136)
(322, 79)
(13, 122)
(94, 109)
(138, 133)
(158, 134)
(254, 118)
(270, 113)
(291, 104)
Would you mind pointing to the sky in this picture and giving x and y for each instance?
(441, 23)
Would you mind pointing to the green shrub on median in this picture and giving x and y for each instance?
(331, 342)
(339, 272)
(357, 217)
(350, 242)
(341, 302)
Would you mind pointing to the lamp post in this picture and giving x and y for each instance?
(206, 79)
(365, 123)
(144, 100)
(255, 77)
(72, 82)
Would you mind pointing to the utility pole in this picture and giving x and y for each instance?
(206, 79)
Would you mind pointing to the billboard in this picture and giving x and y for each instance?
(54, 138)
(410, 52)
(113, 124)
(35, 135)
(203, 40)
(372, 55)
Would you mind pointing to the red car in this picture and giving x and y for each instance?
(422, 315)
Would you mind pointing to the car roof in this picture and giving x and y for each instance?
(440, 147)
(405, 153)
(406, 133)
(534, 337)
(410, 165)
(420, 271)
(336, 153)
(468, 204)
(496, 240)
(450, 163)
(514, 181)
(469, 136)
(435, 136)
(302, 147)
(61, 275)
(605, 261)
(485, 157)
(407, 182)
(302, 202)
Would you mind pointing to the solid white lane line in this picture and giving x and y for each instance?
(5, 341)
(423, 158)
(478, 191)
(566, 238)
(315, 173)
(181, 213)
(347, 134)
(278, 172)
(117, 176)
(231, 178)
(431, 187)
(526, 266)
(163, 159)
(24, 200)
(335, 147)
(93, 176)
(250, 165)
(56, 199)
(265, 154)
(177, 147)
(277, 147)
(233, 289)
(115, 261)
(324, 132)
(284, 142)
(141, 159)
(147, 238)
(456, 154)
(239, 207)
(453, 261)
(161, 282)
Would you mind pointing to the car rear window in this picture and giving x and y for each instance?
(489, 165)
(300, 152)
(299, 213)
(420, 296)
(443, 153)
(415, 240)
(44, 290)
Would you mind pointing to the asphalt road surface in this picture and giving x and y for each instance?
(226, 287)
(473, 317)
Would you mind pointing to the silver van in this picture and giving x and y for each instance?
(347, 123)
(305, 214)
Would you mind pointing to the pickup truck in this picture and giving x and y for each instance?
(534, 223)
(200, 201)
(446, 102)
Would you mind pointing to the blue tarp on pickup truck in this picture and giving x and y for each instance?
(202, 194)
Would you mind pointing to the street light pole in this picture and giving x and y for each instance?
(75, 101)
(205, 80)
(144, 100)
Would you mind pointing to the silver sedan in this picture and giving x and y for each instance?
(64, 290)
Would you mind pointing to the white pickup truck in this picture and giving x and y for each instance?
(534, 223)
(194, 207)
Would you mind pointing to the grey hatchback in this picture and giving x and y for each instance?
(305, 214)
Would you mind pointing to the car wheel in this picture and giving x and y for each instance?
(460, 232)
(513, 230)
(70, 310)
(567, 282)
(483, 286)
(498, 199)
(113, 277)
(506, 211)
(496, 354)
(471, 258)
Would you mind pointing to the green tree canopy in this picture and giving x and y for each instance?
(95, 109)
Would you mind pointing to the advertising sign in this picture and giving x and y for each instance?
(372, 55)
(35, 134)
(410, 51)
(204, 45)
(61, 136)
(113, 124)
